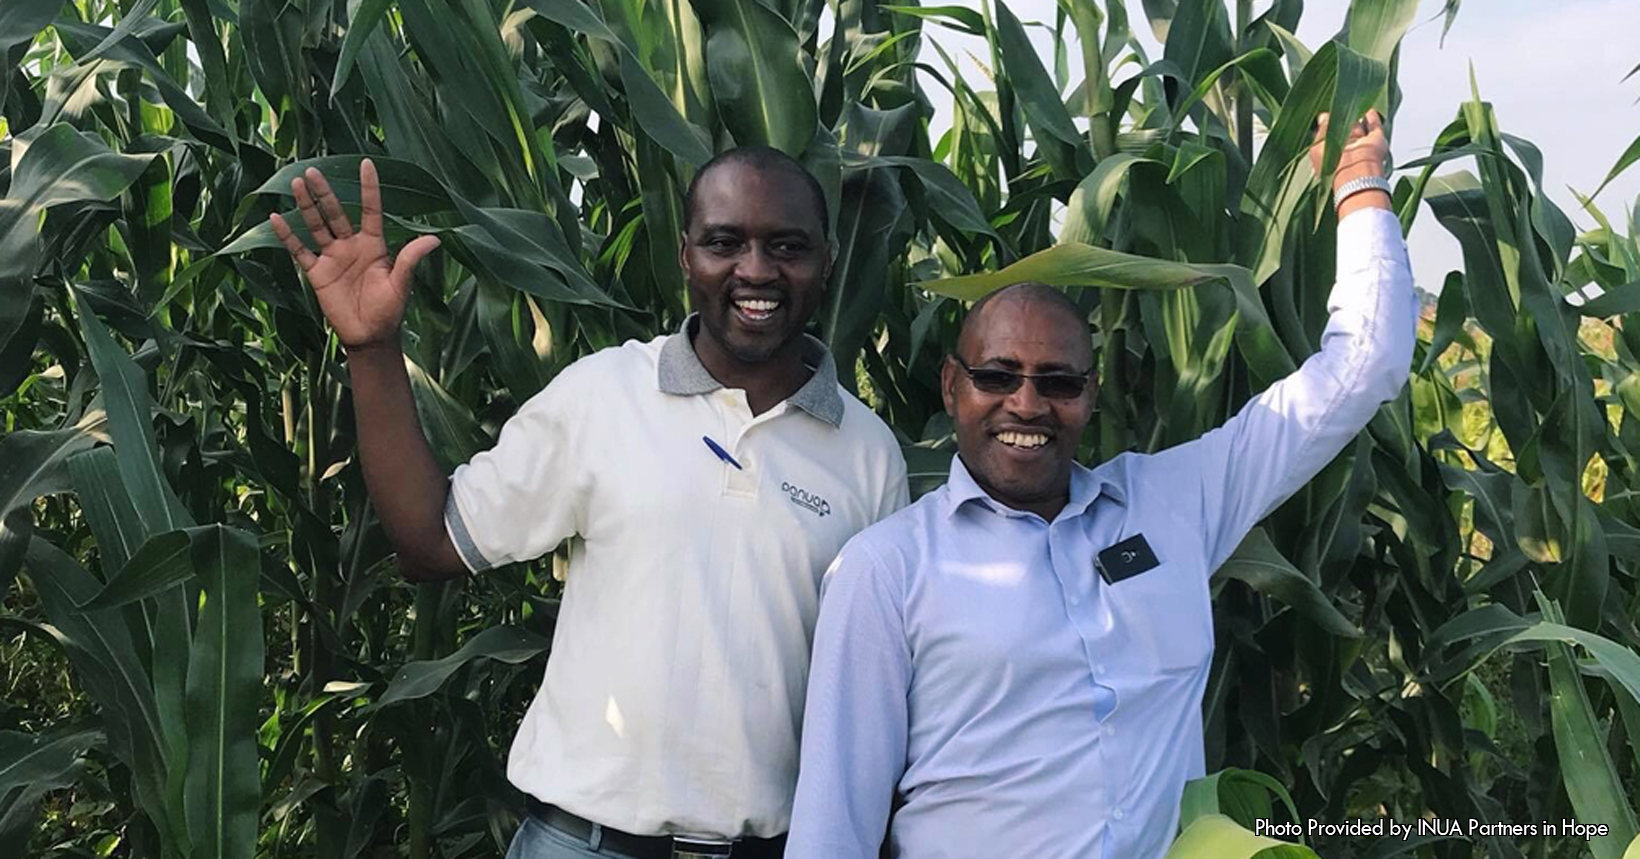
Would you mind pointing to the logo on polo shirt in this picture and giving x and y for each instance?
(806, 499)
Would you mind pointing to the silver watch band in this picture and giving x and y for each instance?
(1359, 184)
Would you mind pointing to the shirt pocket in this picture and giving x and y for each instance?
(1168, 615)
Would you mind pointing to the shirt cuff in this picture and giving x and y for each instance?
(456, 526)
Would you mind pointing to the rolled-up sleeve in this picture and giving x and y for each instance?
(855, 720)
(520, 499)
(1291, 430)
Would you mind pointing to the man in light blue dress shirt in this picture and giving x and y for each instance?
(1020, 656)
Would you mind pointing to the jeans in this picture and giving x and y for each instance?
(536, 840)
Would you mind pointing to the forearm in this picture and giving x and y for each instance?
(406, 486)
(1373, 308)
(1293, 428)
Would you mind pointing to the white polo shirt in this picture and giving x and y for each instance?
(674, 693)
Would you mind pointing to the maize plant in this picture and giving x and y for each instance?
(207, 649)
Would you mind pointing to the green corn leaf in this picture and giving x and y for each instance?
(130, 51)
(27, 758)
(1050, 121)
(1618, 301)
(59, 166)
(1624, 161)
(654, 113)
(872, 228)
(224, 696)
(106, 505)
(949, 198)
(960, 18)
(1335, 79)
(125, 391)
(1198, 40)
(162, 562)
(762, 92)
(406, 188)
(1451, 312)
(501, 643)
(105, 658)
(1258, 563)
(1216, 836)
(1374, 28)
(451, 429)
(1095, 196)
(1086, 266)
(30, 767)
(1592, 783)
(33, 463)
(365, 17)
(20, 21)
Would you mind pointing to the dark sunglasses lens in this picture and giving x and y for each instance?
(995, 381)
(1061, 386)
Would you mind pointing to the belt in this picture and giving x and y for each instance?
(656, 846)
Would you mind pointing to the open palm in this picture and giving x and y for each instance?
(361, 290)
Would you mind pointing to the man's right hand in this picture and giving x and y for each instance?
(361, 290)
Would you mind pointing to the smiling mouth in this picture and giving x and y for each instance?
(756, 309)
(1023, 440)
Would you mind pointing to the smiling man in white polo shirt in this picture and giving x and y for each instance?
(704, 480)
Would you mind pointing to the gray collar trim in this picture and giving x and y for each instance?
(680, 372)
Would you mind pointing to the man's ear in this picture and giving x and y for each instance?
(948, 385)
(683, 257)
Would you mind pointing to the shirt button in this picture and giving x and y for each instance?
(1120, 814)
(1110, 731)
(1099, 669)
(1076, 600)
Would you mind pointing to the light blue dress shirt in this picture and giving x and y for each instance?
(969, 657)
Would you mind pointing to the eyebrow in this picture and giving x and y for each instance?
(1049, 367)
(738, 230)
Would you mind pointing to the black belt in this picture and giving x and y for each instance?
(657, 846)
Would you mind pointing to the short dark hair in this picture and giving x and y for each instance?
(1054, 297)
(762, 158)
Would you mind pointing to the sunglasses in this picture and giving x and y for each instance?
(1054, 386)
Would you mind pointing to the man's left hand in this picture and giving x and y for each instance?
(1366, 153)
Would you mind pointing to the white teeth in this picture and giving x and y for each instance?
(757, 305)
(1026, 440)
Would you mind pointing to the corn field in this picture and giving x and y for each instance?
(206, 649)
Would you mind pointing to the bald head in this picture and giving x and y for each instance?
(1041, 301)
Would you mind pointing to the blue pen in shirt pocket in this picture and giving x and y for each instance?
(721, 453)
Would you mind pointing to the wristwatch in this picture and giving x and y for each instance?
(1359, 184)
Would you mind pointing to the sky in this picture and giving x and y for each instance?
(1552, 69)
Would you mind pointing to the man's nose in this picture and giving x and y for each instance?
(755, 265)
(1025, 402)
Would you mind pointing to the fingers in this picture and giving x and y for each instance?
(370, 199)
(298, 251)
(329, 206)
(310, 213)
(408, 258)
(1321, 126)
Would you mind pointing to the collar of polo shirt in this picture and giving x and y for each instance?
(1086, 485)
(679, 371)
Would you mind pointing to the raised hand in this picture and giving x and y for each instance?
(1366, 153)
(361, 290)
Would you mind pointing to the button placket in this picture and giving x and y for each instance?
(737, 418)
